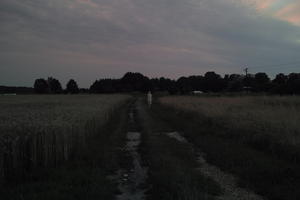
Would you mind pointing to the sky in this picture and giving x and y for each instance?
(92, 39)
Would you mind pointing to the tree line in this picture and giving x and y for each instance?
(53, 86)
(210, 82)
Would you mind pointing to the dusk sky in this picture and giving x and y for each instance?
(91, 39)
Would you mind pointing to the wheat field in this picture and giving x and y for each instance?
(46, 130)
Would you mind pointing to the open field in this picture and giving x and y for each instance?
(266, 122)
(29, 114)
(255, 138)
(180, 148)
(44, 132)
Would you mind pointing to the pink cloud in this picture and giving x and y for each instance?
(287, 11)
(259, 4)
(264, 4)
(290, 13)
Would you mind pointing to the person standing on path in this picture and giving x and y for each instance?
(149, 97)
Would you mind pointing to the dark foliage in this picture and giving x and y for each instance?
(293, 83)
(211, 82)
(41, 86)
(135, 82)
(72, 87)
(262, 82)
(54, 85)
(105, 86)
(16, 90)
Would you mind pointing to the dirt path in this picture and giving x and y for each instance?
(131, 182)
(225, 180)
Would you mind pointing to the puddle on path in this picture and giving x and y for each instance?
(132, 182)
(177, 136)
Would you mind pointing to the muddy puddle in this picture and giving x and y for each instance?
(132, 182)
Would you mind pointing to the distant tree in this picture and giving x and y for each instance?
(234, 83)
(213, 82)
(196, 83)
(72, 87)
(41, 86)
(54, 85)
(135, 82)
(249, 82)
(16, 90)
(165, 84)
(210, 82)
(293, 83)
(94, 88)
(155, 84)
(105, 86)
(279, 84)
(262, 82)
(184, 86)
(280, 79)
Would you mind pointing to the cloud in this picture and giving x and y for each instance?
(290, 13)
(257, 4)
(91, 39)
(286, 10)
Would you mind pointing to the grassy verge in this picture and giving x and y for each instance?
(85, 177)
(257, 169)
(173, 173)
(269, 124)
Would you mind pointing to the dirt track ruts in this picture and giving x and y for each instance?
(132, 184)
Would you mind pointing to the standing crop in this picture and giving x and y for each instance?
(39, 132)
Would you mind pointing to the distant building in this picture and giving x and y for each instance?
(197, 92)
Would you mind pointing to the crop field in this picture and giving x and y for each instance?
(256, 138)
(46, 130)
(119, 147)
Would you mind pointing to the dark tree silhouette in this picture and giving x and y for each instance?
(249, 82)
(213, 82)
(16, 90)
(293, 83)
(41, 86)
(135, 82)
(234, 83)
(279, 84)
(197, 83)
(163, 84)
(280, 79)
(106, 86)
(184, 85)
(262, 82)
(54, 85)
(72, 87)
(210, 82)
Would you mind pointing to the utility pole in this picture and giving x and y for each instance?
(246, 71)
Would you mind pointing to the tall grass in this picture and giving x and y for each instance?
(173, 172)
(266, 122)
(254, 138)
(39, 132)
